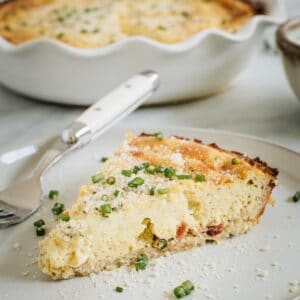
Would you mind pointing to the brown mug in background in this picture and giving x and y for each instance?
(288, 41)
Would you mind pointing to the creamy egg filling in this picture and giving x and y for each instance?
(89, 236)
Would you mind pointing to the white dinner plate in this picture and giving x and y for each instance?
(263, 264)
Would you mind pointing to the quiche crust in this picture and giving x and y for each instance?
(187, 193)
(94, 23)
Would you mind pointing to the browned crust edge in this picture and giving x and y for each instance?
(255, 162)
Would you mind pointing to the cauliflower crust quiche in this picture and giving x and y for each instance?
(96, 23)
(157, 195)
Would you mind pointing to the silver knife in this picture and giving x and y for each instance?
(22, 199)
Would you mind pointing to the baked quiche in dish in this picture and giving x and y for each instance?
(156, 195)
(96, 23)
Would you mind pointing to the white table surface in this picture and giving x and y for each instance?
(260, 103)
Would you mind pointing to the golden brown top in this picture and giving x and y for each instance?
(96, 23)
(210, 160)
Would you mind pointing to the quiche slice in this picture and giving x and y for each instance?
(157, 195)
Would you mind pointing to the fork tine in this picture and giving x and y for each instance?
(9, 221)
(19, 201)
(5, 207)
(5, 214)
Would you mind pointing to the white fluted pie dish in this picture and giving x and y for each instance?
(204, 64)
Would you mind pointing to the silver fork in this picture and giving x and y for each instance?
(21, 199)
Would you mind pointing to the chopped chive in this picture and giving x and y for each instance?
(70, 14)
(116, 193)
(188, 286)
(136, 169)
(39, 227)
(90, 9)
(39, 223)
(53, 194)
(111, 180)
(160, 27)
(96, 30)
(169, 172)
(105, 210)
(126, 173)
(179, 292)
(119, 289)
(104, 197)
(65, 218)
(40, 231)
(234, 161)
(146, 165)
(184, 176)
(296, 196)
(58, 208)
(150, 170)
(7, 28)
(184, 289)
(199, 178)
(83, 31)
(60, 19)
(158, 135)
(162, 191)
(141, 262)
(137, 181)
(104, 159)
(60, 35)
(159, 170)
(152, 191)
(97, 178)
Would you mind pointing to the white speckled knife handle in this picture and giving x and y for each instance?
(112, 108)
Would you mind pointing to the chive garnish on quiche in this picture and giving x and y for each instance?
(156, 195)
